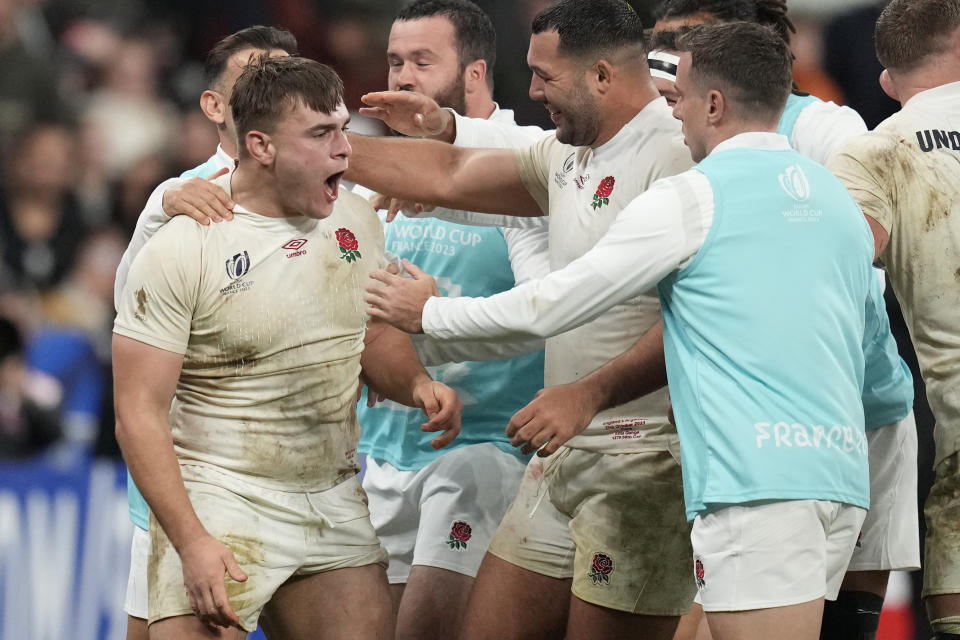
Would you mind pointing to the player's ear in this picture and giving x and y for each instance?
(886, 83)
(716, 106)
(475, 75)
(260, 147)
(214, 106)
(603, 74)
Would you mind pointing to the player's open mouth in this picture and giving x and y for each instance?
(554, 115)
(331, 185)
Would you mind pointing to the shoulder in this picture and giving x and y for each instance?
(355, 205)
(884, 145)
(179, 230)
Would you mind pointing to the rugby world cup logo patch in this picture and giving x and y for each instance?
(794, 182)
(238, 265)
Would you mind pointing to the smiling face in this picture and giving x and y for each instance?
(422, 56)
(691, 109)
(560, 83)
(311, 152)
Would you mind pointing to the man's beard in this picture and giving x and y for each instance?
(583, 120)
(454, 96)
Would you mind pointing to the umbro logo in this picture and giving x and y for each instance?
(295, 247)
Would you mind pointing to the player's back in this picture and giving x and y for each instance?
(906, 175)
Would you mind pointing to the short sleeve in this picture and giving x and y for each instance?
(158, 301)
(533, 165)
(860, 166)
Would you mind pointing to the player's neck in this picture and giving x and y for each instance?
(622, 106)
(479, 106)
(252, 187)
(928, 77)
(228, 143)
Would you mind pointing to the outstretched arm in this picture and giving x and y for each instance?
(427, 171)
(651, 237)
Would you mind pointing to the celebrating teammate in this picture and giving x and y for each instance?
(254, 330)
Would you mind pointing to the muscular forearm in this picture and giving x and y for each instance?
(148, 451)
(145, 380)
(636, 372)
(390, 364)
(484, 180)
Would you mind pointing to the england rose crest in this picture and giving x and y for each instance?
(604, 189)
(601, 568)
(698, 573)
(460, 533)
(348, 245)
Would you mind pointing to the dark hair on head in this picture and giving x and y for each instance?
(772, 13)
(721, 10)
(667, 40)
(475, 36)
(269, 87)
(908, 32)
(751, 63)
(592, 28)
(256, 37)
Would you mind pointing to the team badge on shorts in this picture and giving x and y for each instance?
(348, 245)
(698, 573)
(602, 196)
(601, 568)
(460, 533)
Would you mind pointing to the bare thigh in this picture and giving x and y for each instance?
(189, 627)
(433, 604)
(793, 622)
(509, 602)
(592, 622)
(137, 628)
(693, 625)
(351, 603)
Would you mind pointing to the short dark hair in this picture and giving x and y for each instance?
(473, 29)
(908, 32)
(269, 87)
(666, 40)
(772, 13)
(751, 60)
(256, 37)
(594, 28)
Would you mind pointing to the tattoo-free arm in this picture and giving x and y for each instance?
(145, 378)
(485, 180)
(391, 367)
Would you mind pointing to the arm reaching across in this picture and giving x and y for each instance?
(559, 413)
(651, 237)
(411, 113)
(196, 197)
(400, 300)
(484, 180)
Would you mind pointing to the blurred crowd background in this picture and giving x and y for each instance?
(99, 103)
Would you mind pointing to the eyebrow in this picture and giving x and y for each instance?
(319, 128)
(412, 54)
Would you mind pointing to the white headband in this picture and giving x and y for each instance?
(663, 65)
